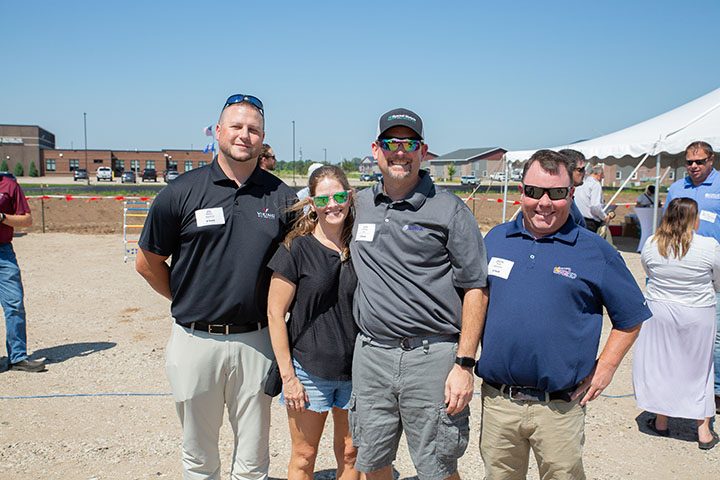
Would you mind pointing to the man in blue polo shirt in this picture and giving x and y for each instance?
(548, 282)
(702, 184)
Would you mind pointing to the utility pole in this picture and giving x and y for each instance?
(293, 175)
(325, 152)
(86, 155)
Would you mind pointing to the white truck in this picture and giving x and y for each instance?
(104, 173)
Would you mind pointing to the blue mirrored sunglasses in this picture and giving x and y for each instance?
(240, 98)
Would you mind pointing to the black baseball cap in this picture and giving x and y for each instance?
(400, 117)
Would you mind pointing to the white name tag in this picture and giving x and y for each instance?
(708, 216)
(500, 267)
(365, 232)
(209, 216)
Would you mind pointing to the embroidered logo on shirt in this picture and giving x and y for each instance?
(565, 272)
(412, 228)
(266, 215)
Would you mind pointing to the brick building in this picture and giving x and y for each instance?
(24, 145)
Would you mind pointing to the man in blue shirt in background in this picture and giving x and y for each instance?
(702, 184)
(548, 281)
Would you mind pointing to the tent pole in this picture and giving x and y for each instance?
(505, 188)
(627, 180)
(657, 192)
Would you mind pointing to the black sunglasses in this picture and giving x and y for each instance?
(555, 193)
(240, 98)
(700, 162)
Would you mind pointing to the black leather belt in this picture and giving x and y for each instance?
(215, 329)
(411, 343)
(530, 394)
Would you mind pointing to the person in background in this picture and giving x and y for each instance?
(577, 164)
(305, 191)
(14, 212)
(702, 184)
(673, 370)
(315, 280)
(647, 198)
(267, 158)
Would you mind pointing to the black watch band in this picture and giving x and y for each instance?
(465, 361)
(2, 219)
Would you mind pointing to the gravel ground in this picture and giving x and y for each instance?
(104, 333)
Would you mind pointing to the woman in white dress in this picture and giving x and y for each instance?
(673, 373)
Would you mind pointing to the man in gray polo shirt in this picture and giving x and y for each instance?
(421, 267)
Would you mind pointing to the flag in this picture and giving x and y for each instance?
(210, 147)
(208, 131)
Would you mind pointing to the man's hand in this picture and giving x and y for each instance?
(459, 389)
(594, 384)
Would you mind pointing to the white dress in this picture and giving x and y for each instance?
(673, 371)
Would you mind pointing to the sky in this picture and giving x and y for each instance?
(516, 74)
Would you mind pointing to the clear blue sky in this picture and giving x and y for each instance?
(516, 74)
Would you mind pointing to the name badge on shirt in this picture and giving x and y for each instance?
(365, 232)
(500, 267)
(708, 216)
(209, 216)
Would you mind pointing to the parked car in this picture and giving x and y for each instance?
(80, 174)
(499, 176)
(367, 177)
(468, 180)
(104, 173)
(170, 175)
(149, 174)
(128, 176)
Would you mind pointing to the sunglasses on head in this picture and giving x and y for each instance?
(395, 144)
(322, 201)
(555, 193)
(240, 98)
(699, 163)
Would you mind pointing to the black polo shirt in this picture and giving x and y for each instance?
(220, 237)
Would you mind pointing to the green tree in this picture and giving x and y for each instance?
(451, 171)
(33, 170)
(4, 166)
(19, 170)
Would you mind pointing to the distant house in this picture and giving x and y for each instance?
(481, 162)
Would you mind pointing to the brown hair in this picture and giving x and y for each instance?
(265, 150)
(675, 232)
(307, 221)
(549, 161)
(700, 145)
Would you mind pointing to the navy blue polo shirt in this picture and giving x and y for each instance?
(545, 309)
(220, 237)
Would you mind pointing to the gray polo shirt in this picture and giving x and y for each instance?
(413, 257)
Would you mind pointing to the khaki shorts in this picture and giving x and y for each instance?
(396, 390)
(555, 431)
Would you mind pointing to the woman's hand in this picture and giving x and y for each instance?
(295, 395)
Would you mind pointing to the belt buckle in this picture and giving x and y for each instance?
(522, 394)
(405, 344)
(217, 329)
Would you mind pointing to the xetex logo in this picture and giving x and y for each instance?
(565, 272)
(401, 117)
(266, 215)
(412, 228)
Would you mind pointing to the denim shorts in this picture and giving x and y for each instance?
(323, 394)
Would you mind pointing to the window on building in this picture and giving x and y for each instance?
(172, 165)
(202, 163)
(188, 165)
(74, 164)
(135, 165)
(618, 175)
(149, 163)
(672, 175)
(634, 176)
(97, 160)
(49, 164)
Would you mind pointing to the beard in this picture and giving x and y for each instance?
(242, 158)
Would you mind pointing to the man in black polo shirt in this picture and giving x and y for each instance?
(220, 224)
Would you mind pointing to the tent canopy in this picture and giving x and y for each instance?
(668, 133)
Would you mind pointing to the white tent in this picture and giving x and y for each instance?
(667, 134)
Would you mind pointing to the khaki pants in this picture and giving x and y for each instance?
(554, 430)
(207, 373)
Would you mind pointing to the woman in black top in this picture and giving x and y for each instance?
(314, 280)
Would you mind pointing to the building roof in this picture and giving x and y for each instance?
(465, 154)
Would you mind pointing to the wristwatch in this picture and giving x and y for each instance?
(465, 361)
(2, 219)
